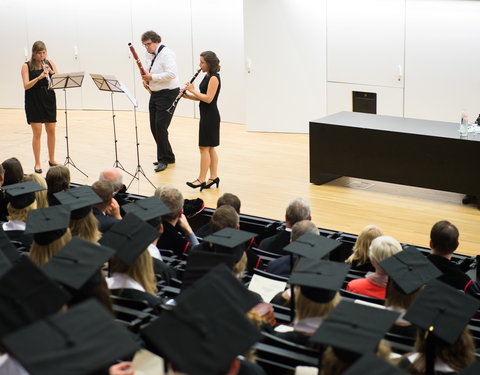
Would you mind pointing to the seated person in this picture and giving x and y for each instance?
(108, 211)
(375, 284)
(316, 294)
(11, 172)
(225, 199)
(40, 196)
(50, 230)
(443, 243)
(131, 269)
(282, 266)
(119, 189)
(297, 210)
(444, 344)
(177, 234)
(359, 258)
(58, 179)
(21, 199)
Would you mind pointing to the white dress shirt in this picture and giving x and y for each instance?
(164, 70)
(123, 281)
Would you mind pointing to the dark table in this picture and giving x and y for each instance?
(423, 153)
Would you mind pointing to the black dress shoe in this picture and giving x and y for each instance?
(171, 161)
(160, 167)
(155, 163)
(39, 170)
(52, 164)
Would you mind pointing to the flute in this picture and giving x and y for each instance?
(48, 75)
(139, 63)
(180, 94)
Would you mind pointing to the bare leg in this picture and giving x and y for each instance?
(213, 163)
(50, 128)
(37, 135)
(204, 163)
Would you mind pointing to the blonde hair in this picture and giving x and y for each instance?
(240, 266)
(86, 228)
(331, 364)
(20, 213)
(458, 355)
(41, 254)
(38, 46)
(141, 270)
(40, 196)
(306, 308)
(360, 248)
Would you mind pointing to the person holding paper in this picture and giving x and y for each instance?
(40, 101)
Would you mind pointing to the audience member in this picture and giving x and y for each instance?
(108, 212)
(58, 179)
(359, 259)
(119, 189)
(40, 196)
(12, 174)
(297, 210)
(171, 238)
(375, 284)
(443, 243)
(283, 265)
(226, 199)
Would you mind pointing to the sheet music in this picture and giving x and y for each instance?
(266, 287)
(129, 95)
(66, 80)
(147, 363)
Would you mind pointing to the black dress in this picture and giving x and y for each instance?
(40, 102)
(209, 130)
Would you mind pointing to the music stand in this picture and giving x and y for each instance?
(67, 81)
(112, 85)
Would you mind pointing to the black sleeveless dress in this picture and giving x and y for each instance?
(40, 102)
(209, 130)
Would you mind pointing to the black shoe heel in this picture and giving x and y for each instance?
(201, 185)
(215, 181)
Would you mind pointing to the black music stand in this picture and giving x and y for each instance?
(67, 81)
(111, 84)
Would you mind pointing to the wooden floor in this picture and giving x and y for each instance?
(265, 170)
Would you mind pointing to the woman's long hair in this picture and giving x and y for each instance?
(38, 46)
(86, 228)
(306, 308)
(212, 61)
(141, 270)
(41, 254)
(364, 239)
(40, 196)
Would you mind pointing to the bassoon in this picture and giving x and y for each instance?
(172, 108)
(139, 63)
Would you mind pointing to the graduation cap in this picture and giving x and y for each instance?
(129, 237)
(312, 246)
(319, 280)
(48, 224)
(7, 248)
(147, 209)
(230, 241)
(77, 262)
(200, 263)
(410, 269)
(443, 312)
(354, 327)
(79, 199)
(371, 364)
(473, 369)
(82, 340)
(22, 195)
(27, 295)
(207, 328)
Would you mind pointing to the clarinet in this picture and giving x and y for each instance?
(180, 94)
(48, 75)
(137, 60)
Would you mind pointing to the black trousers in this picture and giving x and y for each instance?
(160, 119)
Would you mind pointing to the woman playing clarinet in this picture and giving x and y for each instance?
(209, 129)
(40, 102)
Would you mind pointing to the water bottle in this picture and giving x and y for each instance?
(463, 125)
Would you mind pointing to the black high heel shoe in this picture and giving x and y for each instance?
(201, 185)
(39, 170)
(214, 181)
(52, 164)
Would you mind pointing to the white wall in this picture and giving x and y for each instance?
(285, 45)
